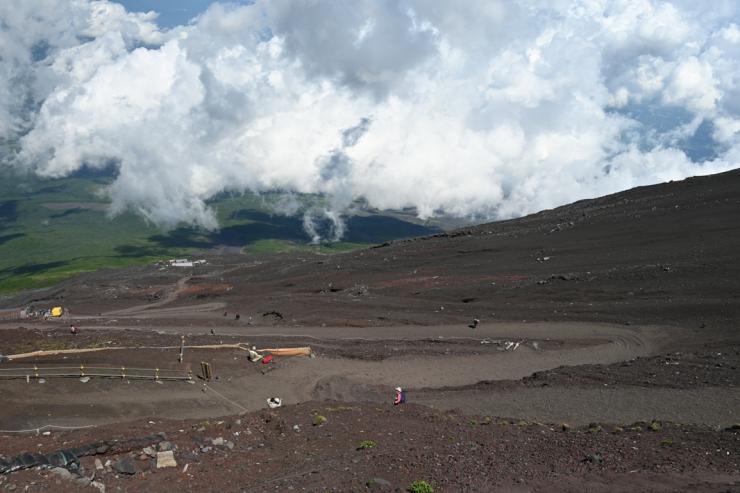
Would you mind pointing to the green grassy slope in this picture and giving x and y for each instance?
(53, 229)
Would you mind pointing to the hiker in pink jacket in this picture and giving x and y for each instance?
(400, 397)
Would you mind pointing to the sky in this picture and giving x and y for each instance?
(172, 13)
(484, 109)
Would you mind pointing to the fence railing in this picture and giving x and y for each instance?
(121, 372)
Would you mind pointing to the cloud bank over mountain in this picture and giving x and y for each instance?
(487, 108)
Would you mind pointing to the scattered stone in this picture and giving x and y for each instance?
(85, 379)
(593, 459)
(378, 484)
(83, 481)
(218, 442)
(41, 380)
(165, 446)
(124, 466)
(102, 449)
(296, 428)
(205, 450)
(229, 445)
(100, 486)
(98, 464)
(62, 472)
(565, 427)
(166, 459)
(149, 451)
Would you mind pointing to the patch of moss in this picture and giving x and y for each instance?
(366, 444)
(420, 487)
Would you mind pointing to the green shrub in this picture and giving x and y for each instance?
(366, 444)
(420, 487)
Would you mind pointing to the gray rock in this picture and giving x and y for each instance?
(100, 486)
(229, 444)
(593, 459)
(378, 484)
(149, 451)
(83, 481)
(98, 464)
(60, 471)
(165, 446)
(218, 441)
(124, 466)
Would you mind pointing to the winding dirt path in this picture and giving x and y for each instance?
(356, 380)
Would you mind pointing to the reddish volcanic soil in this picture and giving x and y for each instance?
(615, 317)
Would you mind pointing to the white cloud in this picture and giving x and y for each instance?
(486, 108)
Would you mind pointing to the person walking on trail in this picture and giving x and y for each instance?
(73, 329)
(400, 397)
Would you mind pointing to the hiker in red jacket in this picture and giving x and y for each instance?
(400, 397)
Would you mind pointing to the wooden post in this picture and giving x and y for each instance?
(182, 349)
(205, 369)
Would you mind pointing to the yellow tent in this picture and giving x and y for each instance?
(56, 311)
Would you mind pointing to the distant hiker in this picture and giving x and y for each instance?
(474, 324)
(213, 332)
(73, 329)
(236, 317)
(400, 397)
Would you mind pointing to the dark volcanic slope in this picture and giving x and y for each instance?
(664, 254)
